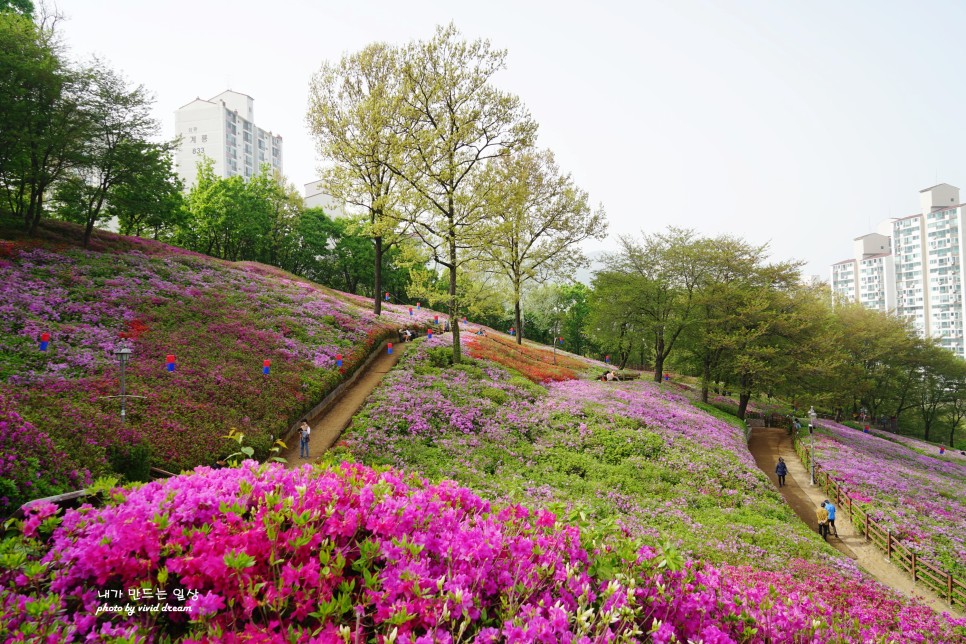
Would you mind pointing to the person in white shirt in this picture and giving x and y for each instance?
(304, 432)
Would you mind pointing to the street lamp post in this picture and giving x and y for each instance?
(122, 355)
(811, 438)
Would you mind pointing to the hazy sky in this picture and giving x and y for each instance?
(799, 124)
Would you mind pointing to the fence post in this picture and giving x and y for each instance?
(949, 588)
(914, 566)
(867, 537)
(889, 545)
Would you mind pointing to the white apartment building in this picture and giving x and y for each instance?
(924, 270)
(868, 277)
(315, 197)
(907, 244)
(223, 129)
(845, 276)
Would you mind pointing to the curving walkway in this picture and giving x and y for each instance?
(766, 445)
(328, 427)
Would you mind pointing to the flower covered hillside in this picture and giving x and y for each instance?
(353, 554)
(920, 498)
(214, 345)
(633, 454)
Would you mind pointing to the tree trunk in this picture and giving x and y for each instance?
(743, 399)
(377, 300)
(659, 356)
(517, 317)
(35, 209)
(705, 377)
(88, 230)
(457, 357)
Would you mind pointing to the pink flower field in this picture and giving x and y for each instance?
(219, 321)
(921, 498)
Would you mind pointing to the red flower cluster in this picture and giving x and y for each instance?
(135, 329)
(535, 364)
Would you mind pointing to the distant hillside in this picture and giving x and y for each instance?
(220, 322)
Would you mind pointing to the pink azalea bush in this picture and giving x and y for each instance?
(30, 464)
(921, 498)
(266, 554)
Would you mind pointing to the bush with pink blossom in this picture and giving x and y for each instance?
(348, 554)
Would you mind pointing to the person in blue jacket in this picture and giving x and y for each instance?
(782, 471)
(830, 508)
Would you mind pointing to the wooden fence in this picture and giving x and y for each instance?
(952, 589)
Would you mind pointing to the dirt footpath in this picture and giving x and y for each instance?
(328, 428)
(766, 445)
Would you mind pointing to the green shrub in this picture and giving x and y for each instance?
(617, 444)
(440, 357)
(133, 462)
(533, 389)
(498, 396)
(470, 368)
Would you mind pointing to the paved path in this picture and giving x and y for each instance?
(766, 445)
(327, 429)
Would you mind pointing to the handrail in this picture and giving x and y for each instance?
(951, 588)
(333, 396)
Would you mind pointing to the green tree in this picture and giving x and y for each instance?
(43, 124)
(279, 207)
(350, 113)
(616, 321)
(879, 361)
(955, 410)
(536, 218)
(120, 124)
(337, 253)
(450, 122)
(772, 335)
(574, 297)
(936, 384)
(150, 199)
(315, 236)
(736, 289)
(22, 62)
(665, 270)
(24, 8)
(228, 218)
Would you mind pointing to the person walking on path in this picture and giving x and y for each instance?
(304, 432)
(821, 516)
(782, 471)
(830, 510)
